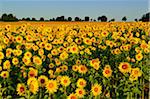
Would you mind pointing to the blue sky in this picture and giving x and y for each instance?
(93, 8)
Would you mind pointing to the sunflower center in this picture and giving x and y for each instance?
(139, 56)
(42, 81)
(21, 89)
(136, 72)
(82, 68)
(31, 74)
(95, 89)
(51, 85)
(4, 75)
(80, 92)
(18, 38)
(74, 49)
(81, 83)
(65, 81)
(124, 66)
(73, 97)
(107, 71)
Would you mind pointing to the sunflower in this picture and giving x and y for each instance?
(124, 67)
(15, 61)
(80, 92)
(87, 50)
(6, 64)
(107, 72)
(35, 47)
(18, 52)
(51, 65)
(32, 72)
(42, 44)
(48, 46)
(146, 50)
(19, 39)
(57, 61)
(94, 61)
(133, 78)
(61, 49)
(104, 34)
(33, 85)
(42, 80)
(136, 72)
(28, 46)
(75, 68)
(8, 52)
(41, 52)
(78, 62)
(82, 69)
(37, 60)
(81, 83)
(64, 55)
(139, 57)
(96, 89)
(6, 40)
(144, 45)
(65, 44)
(26, 60)
(87, 41)
(65, 81)
(52, 86)
(28, 54)
(29, 38)
(4, 74)
(64, 67)
(1, 55)
(78, 41)
(21, 89)
(117, 51)
(72, 96)
(54, 52)
(74, 49)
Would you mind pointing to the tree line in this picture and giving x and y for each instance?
(11, 18)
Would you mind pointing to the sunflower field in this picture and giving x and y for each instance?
(74, 60)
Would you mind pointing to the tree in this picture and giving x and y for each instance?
(41, 19)
(145, 17)
(4, 17)
(112, 20)
(8, 17)
(87, 18)
(103, 18)
(135, 20)
(69, 19)
(99, 18)
(62, 18)
(77, 19)
(33, 19)
(53, 19)
(124, 18)
(28, 19)
(23, 19)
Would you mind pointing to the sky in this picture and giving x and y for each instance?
(70, 8)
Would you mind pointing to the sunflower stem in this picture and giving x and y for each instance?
(50, 95)
(40, 96)
(65, 91)
(28, 94)
(143, 90)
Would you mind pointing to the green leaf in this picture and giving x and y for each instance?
(136, 90)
